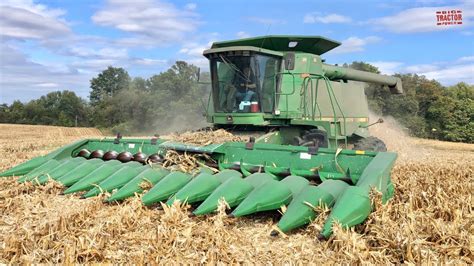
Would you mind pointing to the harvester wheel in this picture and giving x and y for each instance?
(370, 144)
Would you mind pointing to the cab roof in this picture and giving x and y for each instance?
(284, 43)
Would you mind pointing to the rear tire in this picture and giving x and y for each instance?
(370, 144)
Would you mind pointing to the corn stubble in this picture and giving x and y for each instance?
(430, 218)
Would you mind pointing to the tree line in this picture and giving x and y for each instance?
(169, 101)
(426, 108)
(173, 101)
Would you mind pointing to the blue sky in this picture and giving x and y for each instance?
(54, 45)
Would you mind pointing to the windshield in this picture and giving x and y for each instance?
(244, 83)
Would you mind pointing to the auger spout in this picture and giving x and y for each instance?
(344, 73)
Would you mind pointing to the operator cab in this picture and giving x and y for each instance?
(244, 81)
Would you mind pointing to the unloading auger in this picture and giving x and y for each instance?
(306, 115)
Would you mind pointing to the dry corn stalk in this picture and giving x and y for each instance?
(206, 137)
(184, 161)
(429, 220)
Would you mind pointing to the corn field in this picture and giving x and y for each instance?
(429, 220)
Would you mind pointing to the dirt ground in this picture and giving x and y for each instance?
(429, 220)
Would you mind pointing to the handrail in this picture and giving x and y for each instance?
(331, 91)
(286, 94)
(308, 80)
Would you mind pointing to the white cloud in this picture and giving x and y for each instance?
(195, 49)
(316, 17)
(422, 19)
(192, 53)
(34, 8)
(202, 63)
(387, 67)
(430, 2)
(452, 74)
(421, 68)
(144, 42)
(467, 58)
(447, 73)
(190, 6)
(242, 34)
(47, 85)
(22, 78)
(25, 20)
(267, 21)
(108, 53)
(355, 44)
(96, 65)
(149, 61)
(93, 59)
(158, 20)
(76, 58)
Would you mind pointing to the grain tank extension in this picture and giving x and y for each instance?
(309, 143)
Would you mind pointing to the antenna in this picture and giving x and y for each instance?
(268, 29)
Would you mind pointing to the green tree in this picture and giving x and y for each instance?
(103, 88)
(108, 83)
(178, 81)
(139, 84)
(461, 91)
(165, 102)
(60, 108)
(451, 116)
(17, 112)
(4, 113)
(362, 66)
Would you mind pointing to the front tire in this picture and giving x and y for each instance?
(313, 138)
(370, 144)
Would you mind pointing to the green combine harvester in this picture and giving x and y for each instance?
(309, 143)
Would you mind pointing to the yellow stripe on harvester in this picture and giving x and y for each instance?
(360, 152)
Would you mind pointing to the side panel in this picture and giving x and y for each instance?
(350, 96)
(346, 100)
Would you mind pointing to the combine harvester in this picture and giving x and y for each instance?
(310, 144)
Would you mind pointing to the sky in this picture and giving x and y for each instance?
(50, 45)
